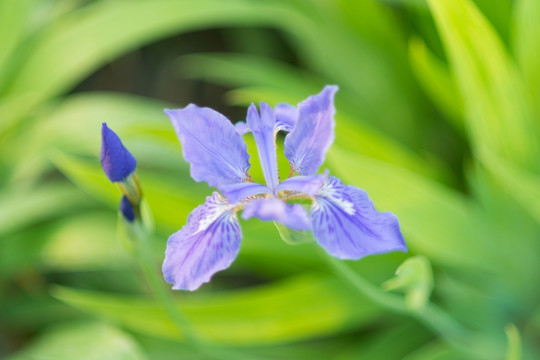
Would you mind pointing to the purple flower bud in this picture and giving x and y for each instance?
(116, 160)
(126, 209)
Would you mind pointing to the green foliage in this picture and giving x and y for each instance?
(437, 118)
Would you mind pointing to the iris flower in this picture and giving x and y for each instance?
(343, 219)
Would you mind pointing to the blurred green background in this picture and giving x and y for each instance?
(437, 118)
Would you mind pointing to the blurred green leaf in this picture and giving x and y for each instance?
(130, 116)
(21, 207)
(521, 183)
(79, 245)
(13, 17)
(63, 45)
(514, 342)
(526, 41)
(437, 81)
(298, 308)
(84, 341)
(497, 105)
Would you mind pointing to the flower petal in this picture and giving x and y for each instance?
(286, 116)
(236, 192)
(293, 216)
(307, 143)
(116, 160)
(346, 224)
(309, 185)
(262, 127)
(208, 243)
(217, 153)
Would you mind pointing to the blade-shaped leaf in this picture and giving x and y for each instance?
(84, 341)
(498, 108)
(281, 312)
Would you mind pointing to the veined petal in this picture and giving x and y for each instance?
(346, 224)
(208, 243)
(307, 143)
(262, 127)
(309, 185)
(116, 160)
(217, 153)
(293, 216)
(236, 192)
(286, 116)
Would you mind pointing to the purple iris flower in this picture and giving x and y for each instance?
(343, 219)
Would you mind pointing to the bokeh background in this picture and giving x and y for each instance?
(437, 118)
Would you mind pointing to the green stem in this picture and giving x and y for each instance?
(430, 315)
(178, 317)
(162, 293)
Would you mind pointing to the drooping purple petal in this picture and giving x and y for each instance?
(126, 209)
(217, 153)
(286, 116)
(307, 143)
(236, 192)
(262, 127)
(293, 216)
(208, 243)
(309, 185)
(346, 224)
(116, 160)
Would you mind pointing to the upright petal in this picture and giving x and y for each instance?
(116, 160)
(293, 216)
(286, 116)
(217, 153)
(236, 192)
(346, 224)
(307, 143)
(262, 127)
(208, 243)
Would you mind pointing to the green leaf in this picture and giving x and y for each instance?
(129, 115)
(498, 108)
(21, 207)
(526, 42)
(522, 184)
(437, 81)
(298, 308)
(514, 343)
(79, 245)
(84, 341)
(64, 45)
